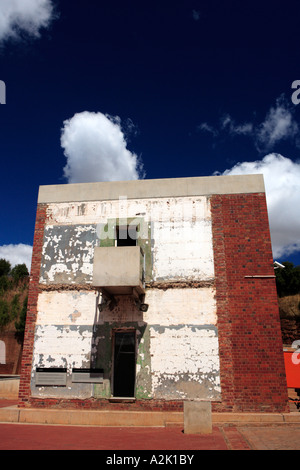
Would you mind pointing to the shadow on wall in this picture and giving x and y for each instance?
(120, 347)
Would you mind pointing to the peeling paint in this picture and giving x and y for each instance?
(183, 386)
(186, 351)
(177, 353)
(68, 253)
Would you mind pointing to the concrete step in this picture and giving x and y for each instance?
(13, 414)
(89, 417)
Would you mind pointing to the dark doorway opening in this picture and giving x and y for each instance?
(124, 364)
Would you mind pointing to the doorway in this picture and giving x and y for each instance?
(124, 363)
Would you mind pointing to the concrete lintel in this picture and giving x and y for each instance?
(142, 189)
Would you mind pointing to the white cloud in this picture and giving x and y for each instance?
(279, 124)
(282, 177)
(96, 150)
(196, 15)
(242, 129)
(17, 254)
(24, 16)
(207, 128)
(228, 125)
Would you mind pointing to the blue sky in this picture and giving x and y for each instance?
(121, 90)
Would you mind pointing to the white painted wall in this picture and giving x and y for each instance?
(183, 334)
(166, 307)
(61, 346)
(185, 355)
(181, 306)
(181, 230)
(67, 308)
(63, 335)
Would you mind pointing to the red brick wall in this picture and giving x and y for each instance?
(24, 390)
(103, 404)
(251, 356)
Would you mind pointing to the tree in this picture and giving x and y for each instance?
(19, 272)
(5, 267)
(288, 279)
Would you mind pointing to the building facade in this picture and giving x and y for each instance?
(145, 294)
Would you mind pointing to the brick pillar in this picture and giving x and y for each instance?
(24, 391)
(251, 352)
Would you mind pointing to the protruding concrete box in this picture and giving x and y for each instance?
(119, 270)
(197, 417)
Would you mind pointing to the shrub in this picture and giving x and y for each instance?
(15, 306)
(4, 312)
(20, 325)
(4, 284)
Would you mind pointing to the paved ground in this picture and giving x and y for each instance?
(47, 437)
(18, 436)
(35, 437)
(281, 437)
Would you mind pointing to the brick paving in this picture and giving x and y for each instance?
(45, 437)
(280, 437)
(7, 402)
(18, 436)
(234, 439)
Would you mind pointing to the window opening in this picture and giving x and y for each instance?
(126, 235)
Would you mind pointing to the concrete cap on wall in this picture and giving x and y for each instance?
(155, 188)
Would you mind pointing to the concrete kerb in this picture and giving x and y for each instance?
(89, 417)
(255, 418)
(13, 414)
